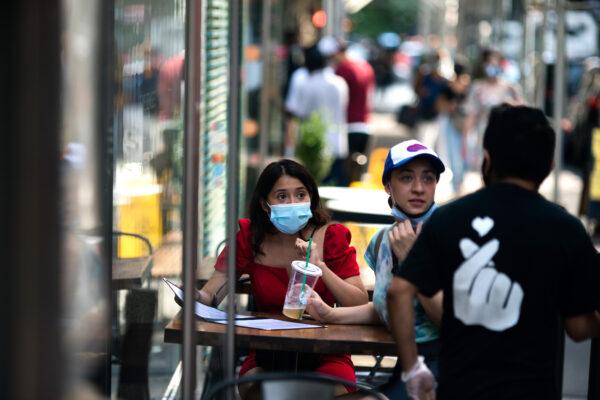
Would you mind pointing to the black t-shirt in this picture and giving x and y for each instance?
(511, 264)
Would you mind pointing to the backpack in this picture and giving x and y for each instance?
(378, 243)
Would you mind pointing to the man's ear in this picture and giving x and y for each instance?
(487, 161)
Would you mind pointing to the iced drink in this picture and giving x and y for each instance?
(302, 282)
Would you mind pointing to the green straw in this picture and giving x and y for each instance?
(306, 265)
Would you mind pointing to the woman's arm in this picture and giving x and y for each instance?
(322, 312)
(347, 292)
(211, 293)
(433, 306)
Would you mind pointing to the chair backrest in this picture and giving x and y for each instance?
(292, 386)
(144, 239)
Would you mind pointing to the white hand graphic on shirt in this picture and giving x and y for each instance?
(482, 295)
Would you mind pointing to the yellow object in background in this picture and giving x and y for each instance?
(372, 179)
(361, 236)
(595, 175)
(139, 212)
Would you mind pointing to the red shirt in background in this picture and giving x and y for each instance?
(360, 78)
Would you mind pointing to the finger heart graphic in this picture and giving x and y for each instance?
(482, 225)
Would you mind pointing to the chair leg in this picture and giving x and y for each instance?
(140, 309)
(378, 360)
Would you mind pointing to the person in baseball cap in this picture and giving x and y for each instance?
(410, 175)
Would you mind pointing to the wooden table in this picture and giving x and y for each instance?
(334, 339)
(128, 273)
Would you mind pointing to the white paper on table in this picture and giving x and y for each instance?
(269, 324)
(201, 310)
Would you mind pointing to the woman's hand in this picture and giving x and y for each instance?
(318, 309)
(402, 237)
(199, 295)
(302, 249)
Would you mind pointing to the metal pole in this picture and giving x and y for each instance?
(190, 188)
(497, 22)
(541, 78)
(235, 23)
(266, 73)
(329, 8)
(559, 92)
(526, 63)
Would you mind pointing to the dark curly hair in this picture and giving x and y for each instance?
(260, 220)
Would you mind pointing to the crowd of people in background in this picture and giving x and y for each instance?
(453, 100)
(340, 90)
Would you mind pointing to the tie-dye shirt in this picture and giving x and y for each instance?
(425, 330)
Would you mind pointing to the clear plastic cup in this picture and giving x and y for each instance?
(302, 282)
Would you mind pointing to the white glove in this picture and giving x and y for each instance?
(420, 383)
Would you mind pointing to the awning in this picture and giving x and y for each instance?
(352, 6)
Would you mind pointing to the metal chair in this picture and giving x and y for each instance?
(132, 350)
(292, 386)
(135, 235)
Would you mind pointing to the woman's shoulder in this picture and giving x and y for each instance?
(335, 230)
(245, 227)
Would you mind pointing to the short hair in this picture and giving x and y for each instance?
(313, 59)
(520, 142)
(260, 222)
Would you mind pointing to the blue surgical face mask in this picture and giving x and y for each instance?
(290, 218)
(492, 70)
(401, 216)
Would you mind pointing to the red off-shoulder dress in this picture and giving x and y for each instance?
(269, 285)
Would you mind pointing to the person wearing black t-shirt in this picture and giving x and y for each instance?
(512, 266)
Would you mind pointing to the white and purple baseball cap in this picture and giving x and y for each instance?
(404, 152)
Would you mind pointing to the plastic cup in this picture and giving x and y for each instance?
(302, 282)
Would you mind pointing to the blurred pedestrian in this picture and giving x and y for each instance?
(428, 85)
(325, 93)
(360, 78)
(512, 266)
(488, 90)
(452, 115)
(580, 127)
(292, 99)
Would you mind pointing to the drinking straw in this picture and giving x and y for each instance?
(306, 265)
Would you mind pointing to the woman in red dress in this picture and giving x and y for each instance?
(285, 211)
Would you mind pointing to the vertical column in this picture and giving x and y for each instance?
(232, 182)
(266, 80)
(541, 66)
(559, 92)
(190, 187)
